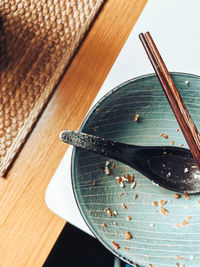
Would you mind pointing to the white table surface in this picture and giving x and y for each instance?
(174, 26)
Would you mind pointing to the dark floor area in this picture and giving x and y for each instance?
(75, 248)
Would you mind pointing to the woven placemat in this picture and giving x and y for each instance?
(37, 40)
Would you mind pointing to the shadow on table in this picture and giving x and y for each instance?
(74, 248)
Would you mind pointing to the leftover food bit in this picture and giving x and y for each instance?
(177, 225)
(115, 213)
(128, 235)
(115, 245)
(113, 165)
(122, 185)
(130, 178)
(181, 145)
(155, 203)
(179, 257)
(135, 196)
(123, 205)
(95, 128)
(186, 196)
(120, 181)
(151, 225)
(172, 142)
(128, 218)
(136, 117)
(177, 130)
(163, 202)
(107, 170)
(185, 223)
(126, 248)
(115, 223)
(164, 211)
(189, 217)
(133, 185)
(177, 196)
(150, 265)
(109, 212)
(104, 224)
(164, 135)
(121, 194)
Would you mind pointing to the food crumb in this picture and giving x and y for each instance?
(177, 196)
(115, 245)
(177, 225)
(113, 165)
(115, 223)
(181, 145)
(177, 130)
(122, 185)
(135, 196)
(133, 185)
(164, 211)
(130, 178)
(163, 202)
(150, 265)
(172, 142)
(179, 257)
(126, 248)
(186, 196)
(121, 194)
(115, 213)
(128, 218)
(123, 205)
(155, 203)
(186, 170)
(164, 135)
(107, 170)
(185, 223)
(189, 217)
(136, 117)
(109, 212)
(128, 235)
(104, 224)
(151, 225)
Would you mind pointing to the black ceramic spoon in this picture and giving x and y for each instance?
(169, 167)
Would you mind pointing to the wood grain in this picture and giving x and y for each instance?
(28, 230)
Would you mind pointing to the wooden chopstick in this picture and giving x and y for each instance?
(181, 113)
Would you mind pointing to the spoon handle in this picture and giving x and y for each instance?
(109, 148)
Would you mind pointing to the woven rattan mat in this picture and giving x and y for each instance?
(37, 40)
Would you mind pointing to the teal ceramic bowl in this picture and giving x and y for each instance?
(139, 222)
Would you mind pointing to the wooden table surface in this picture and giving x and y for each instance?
(28, 229)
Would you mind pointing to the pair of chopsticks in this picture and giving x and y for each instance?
(181, 113)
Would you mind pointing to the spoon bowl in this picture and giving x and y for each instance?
(170, 167)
